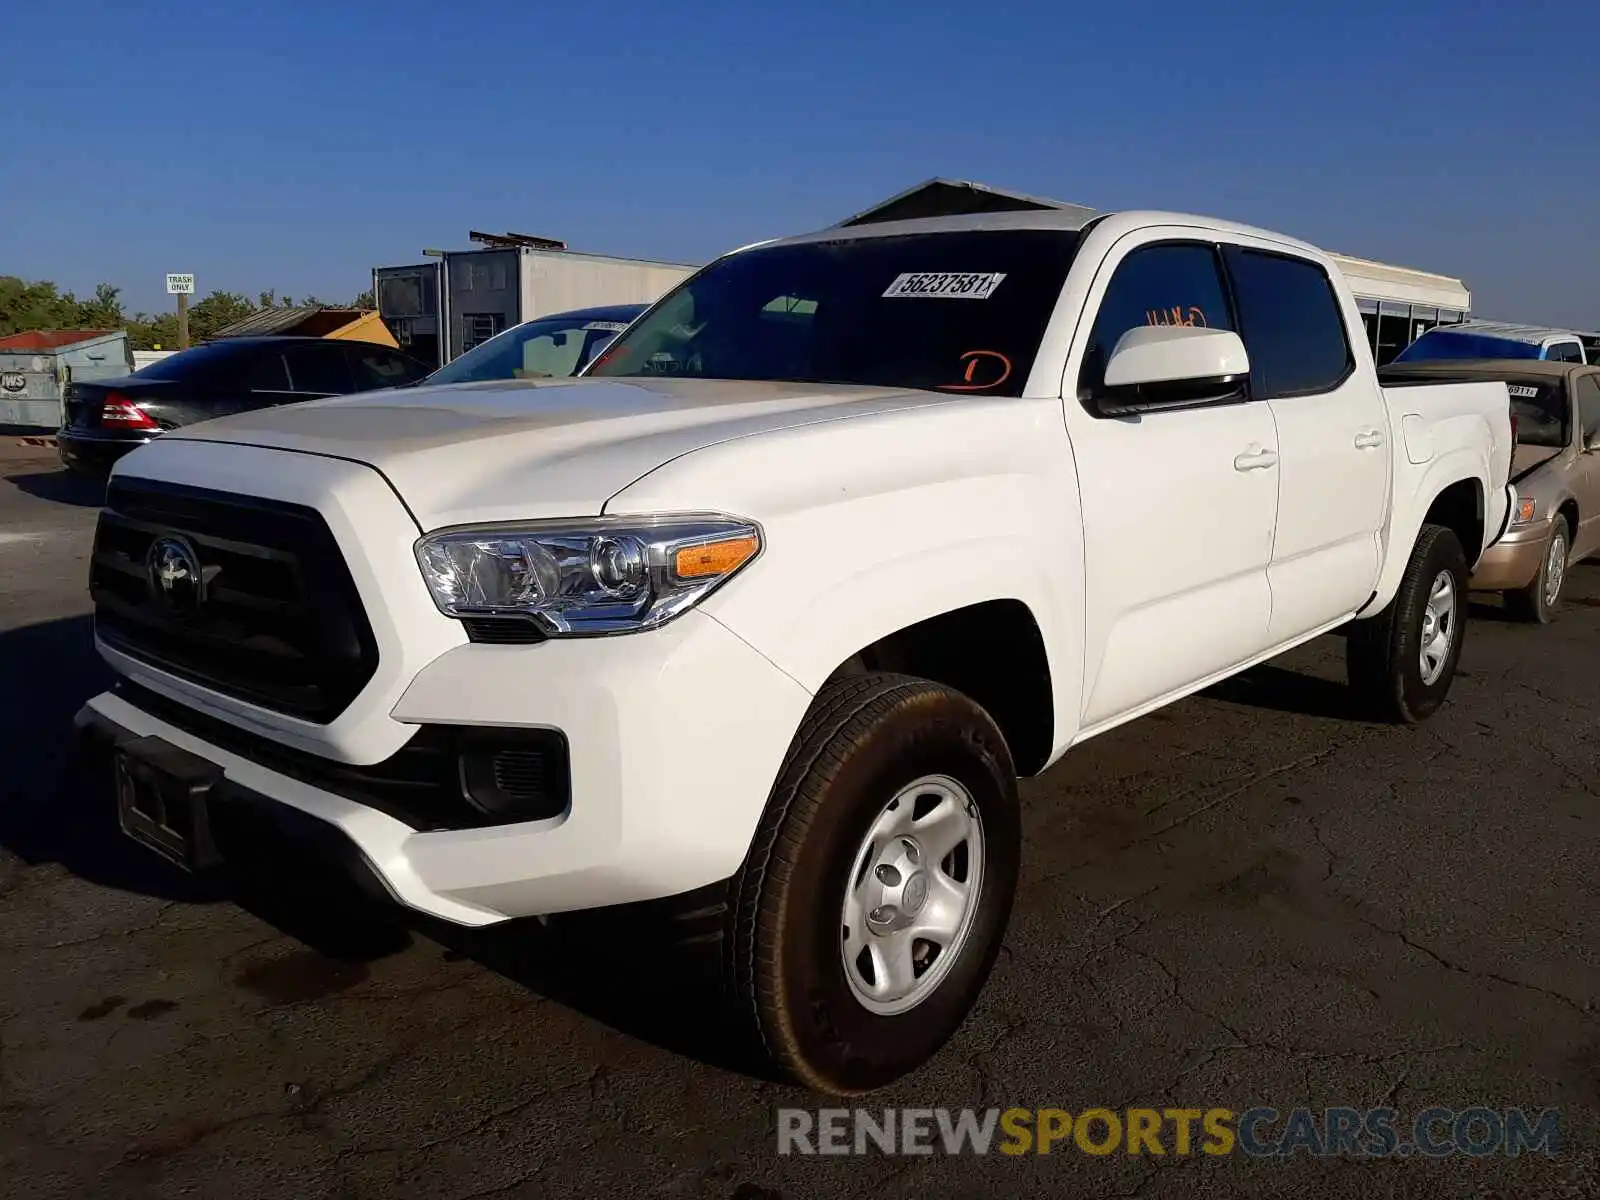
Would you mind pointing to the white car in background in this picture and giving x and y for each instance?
(551, 347)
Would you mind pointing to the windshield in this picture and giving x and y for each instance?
(548, 348)
(1541, 412)
(1445, 343)
(944, 311)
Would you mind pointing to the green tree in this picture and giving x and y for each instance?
(105, 310)
(40, 304)
(153, 331)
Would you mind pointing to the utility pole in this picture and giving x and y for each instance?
(182, 286)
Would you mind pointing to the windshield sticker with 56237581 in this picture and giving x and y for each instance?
(946, 285)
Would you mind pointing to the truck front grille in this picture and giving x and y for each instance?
(273, 619)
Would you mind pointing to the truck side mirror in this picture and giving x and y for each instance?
(1170, 366)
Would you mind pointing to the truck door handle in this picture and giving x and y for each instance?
(1255, 459)
(1369, 439)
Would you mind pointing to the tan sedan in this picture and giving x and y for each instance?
(1555, 410)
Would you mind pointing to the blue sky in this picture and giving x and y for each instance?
(295, 145)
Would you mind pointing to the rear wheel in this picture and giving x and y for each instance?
(870, 908)
(1402, 661)
(1541, 599)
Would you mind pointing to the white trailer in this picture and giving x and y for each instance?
(1399, 304)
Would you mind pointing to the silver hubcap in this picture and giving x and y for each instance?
(1555, 570)
(1438, 627)
(911, 896)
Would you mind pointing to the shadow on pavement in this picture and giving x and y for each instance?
(60, 486)
(622, 968)
(614, 967)
(1483, 606)
(52, 807)
(1287, 691)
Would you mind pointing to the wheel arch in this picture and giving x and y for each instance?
(993, 652)
(934, 611)
(1451, 491)
(1568, 508)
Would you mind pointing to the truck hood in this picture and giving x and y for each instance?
(529, 449)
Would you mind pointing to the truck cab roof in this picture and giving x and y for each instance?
(1075, 220)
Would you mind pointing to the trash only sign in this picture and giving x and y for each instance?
(180, 285)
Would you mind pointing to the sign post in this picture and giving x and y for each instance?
(182, 286)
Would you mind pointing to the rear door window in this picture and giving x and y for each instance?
(376, 368)
(1291, 324)
(319, 368)
(266, 372)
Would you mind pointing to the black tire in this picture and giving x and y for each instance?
(865, 738)
(1383, 653)
(1531, 603)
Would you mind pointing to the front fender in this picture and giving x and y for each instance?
(873, 524)
(812, 633)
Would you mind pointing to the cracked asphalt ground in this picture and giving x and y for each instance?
(1248, 898)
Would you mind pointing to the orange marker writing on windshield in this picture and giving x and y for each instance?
(971, 358)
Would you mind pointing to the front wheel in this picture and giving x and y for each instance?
(871, 906)
(1539, 601)
(1401, 662)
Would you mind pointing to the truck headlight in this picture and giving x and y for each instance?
(593, 576)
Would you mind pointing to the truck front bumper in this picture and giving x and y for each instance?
(673, 740)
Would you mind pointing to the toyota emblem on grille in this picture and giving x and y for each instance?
(176, 580)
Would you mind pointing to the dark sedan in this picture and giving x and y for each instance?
(109, 417)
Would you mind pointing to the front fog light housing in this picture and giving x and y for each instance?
(597, 576)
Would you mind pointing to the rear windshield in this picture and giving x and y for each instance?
(958, 312)
(1541, 411)
(199, 362)
(1444, 343)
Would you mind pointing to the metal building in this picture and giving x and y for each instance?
(441, 309)
(37, 366)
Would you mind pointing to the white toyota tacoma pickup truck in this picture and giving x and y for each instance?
(768, 611)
